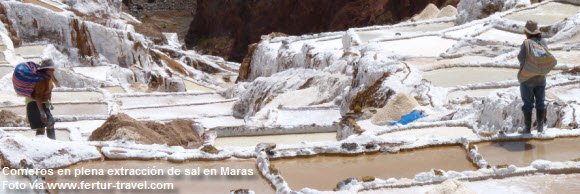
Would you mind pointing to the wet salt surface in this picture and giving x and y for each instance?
(451, 77)
(115, 90)
(464, 32)
(547, 14)
(182, 184)
(567, 57)
(523, 153)
(68, 109)
(429, 63)
(431, 46)
(77, 97)
(473, 93)
(502, 36)
(448, 132)
(365, 36)
(6, 70)
(168, 100)
(30, 51)
(224, 121)
(98, 73)
(565, 93)
(190, 86)
(207, 110)
(324, 172)
(310, 117)
(61, 135)
(84, 127)
(278, 139)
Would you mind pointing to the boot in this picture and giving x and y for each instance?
(527, 122)
(50, 134)
(540, 120)
(39, 132)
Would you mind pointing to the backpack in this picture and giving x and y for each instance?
(26, 77)
(539, 61)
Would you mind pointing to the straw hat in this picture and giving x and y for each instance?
(532, 28)
(47, 64)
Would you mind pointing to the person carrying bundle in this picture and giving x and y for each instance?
(34, 82)
(536, 62)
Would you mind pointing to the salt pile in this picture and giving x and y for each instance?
(401, 105)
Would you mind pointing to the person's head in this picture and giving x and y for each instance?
(531, 30)
(47, 67)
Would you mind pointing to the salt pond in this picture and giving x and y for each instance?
(324, 172)
(523, 153)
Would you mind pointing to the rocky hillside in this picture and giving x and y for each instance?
(226, 28)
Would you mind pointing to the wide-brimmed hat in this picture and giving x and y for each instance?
(532, 28)
(47, 64)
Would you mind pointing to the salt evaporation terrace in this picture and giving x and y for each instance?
(314, 97)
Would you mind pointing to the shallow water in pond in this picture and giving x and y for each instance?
(181, 184)
(324, 172)
(278, 139)
(523, 153)
(458, 76)
(547, 14)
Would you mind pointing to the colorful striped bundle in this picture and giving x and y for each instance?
(25, 78)
(539, 61)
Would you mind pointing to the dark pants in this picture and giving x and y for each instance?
(34, 116)
(531, 93)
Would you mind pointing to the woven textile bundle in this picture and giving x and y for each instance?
(539, 61)
(25, 78)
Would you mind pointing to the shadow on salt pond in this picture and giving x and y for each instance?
(182, 183)
(523, 153)
(325, 171)
(515, 146)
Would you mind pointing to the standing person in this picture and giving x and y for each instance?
(34, 82)
(536, 62)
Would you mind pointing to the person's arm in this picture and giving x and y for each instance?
(522, 55)
(41, 110)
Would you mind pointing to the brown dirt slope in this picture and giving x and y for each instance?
(226, 28)
(175, 133)
(10, 119)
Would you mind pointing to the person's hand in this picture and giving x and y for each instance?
(43, 117)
